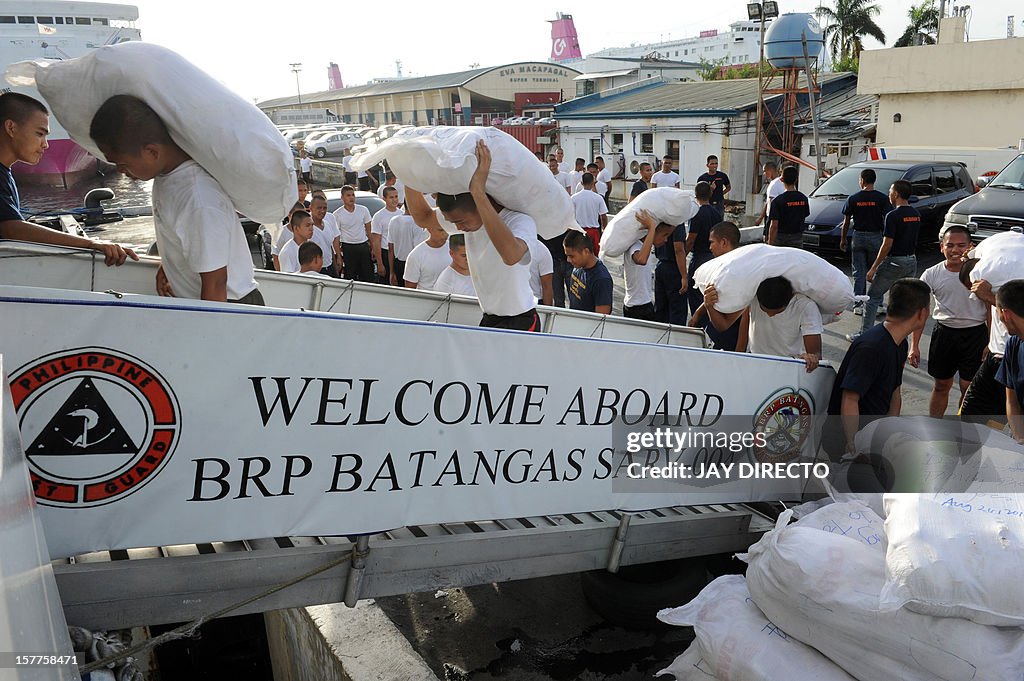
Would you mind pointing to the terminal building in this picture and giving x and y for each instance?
(475, 97)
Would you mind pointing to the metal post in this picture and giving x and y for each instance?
(814, 110)
(942, 15)
(298, 90)
(615, 557)
(355, 574)
(754, 188)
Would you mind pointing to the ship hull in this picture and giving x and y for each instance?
(65, 163)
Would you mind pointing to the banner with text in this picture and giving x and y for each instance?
(149, 423)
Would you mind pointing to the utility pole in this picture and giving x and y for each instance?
(298, 90)
(760, 112)
(814, 109)
(942, 15)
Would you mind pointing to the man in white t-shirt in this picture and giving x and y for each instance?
(379, 242)
(961, 330)
(354, 226)
(390, 180)
(302, 232)
(497, 243)
(638, 269)
(772, 189)
(403, 236)
(306, 166)
(563, 165)
(325, 233)
(346, 163)
(665, 177)
(591, 211)
(542, 268)
(576, 174)
(560, 177)
(782, 323)
(428, 260)
(600, 187)
(604, 174)
(456, 279)
(202, 245)
(311, 260)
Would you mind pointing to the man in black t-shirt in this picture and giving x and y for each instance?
(869, 379)
(719, 182)
(644, 183)
(895, 259)
(698, 240)
(591, 289)
(787, 213)
(25, 123)
(866, 209)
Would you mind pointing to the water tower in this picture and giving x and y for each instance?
(791, 45)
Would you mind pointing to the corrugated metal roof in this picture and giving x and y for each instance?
(605, 74)
(394, 87)
(679, 98)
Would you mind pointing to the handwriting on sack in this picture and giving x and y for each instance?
(973, 504)
(857, 526)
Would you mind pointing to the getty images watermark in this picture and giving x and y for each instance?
(676, 441)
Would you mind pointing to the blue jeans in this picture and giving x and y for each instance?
(892, 269)
(863, 252)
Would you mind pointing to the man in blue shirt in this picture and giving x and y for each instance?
(669, 283)
(644, 183)
(1010, 303)
(591, 289)
(698, 240)
(25, 125)
(866, 209)
(719, 182)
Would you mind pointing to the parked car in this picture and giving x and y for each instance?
(332, 144)
(998, 207)
(937, 185)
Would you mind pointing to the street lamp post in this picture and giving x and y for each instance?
(295, 69)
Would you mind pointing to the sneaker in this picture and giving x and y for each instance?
(859, 310)
(853, 336)
(882, 310)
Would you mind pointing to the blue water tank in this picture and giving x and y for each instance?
(782, 45)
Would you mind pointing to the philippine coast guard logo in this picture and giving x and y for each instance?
(785, 420)
(96, 425)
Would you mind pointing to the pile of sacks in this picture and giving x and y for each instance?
(927, 594)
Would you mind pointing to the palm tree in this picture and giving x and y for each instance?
(924, 22)
(847, 24)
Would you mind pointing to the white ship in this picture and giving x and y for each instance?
(60, 30)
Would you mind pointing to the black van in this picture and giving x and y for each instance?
(998, 207)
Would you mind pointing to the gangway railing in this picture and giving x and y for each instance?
(25, 264)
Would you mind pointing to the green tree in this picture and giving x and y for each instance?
(847, 25)
(711, 70)
(848, 65)
(924, 23)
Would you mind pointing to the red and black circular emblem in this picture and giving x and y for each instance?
(785, 420)
(96, 424)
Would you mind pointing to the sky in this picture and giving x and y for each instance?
(249, 46)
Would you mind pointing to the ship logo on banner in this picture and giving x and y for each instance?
(100, 424)
(785, 420)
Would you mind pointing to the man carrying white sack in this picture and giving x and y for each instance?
(497, 243)
(782, 323)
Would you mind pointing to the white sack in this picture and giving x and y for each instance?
(666, 204)
(229, 137)
(737, 274)
(739, 642)
(823, 588)
(956, 555)
(1002, 259)
(443, 159)
(690, 666)
(851, 519)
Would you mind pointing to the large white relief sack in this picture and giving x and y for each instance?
(1002, 259)
(666, 204)
(737, 274)
(690, 666)
(229, 137)
(443, 159)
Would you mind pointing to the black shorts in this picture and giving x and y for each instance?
(954, 351)
(985, 399)
(645, 312)
(528, 321)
